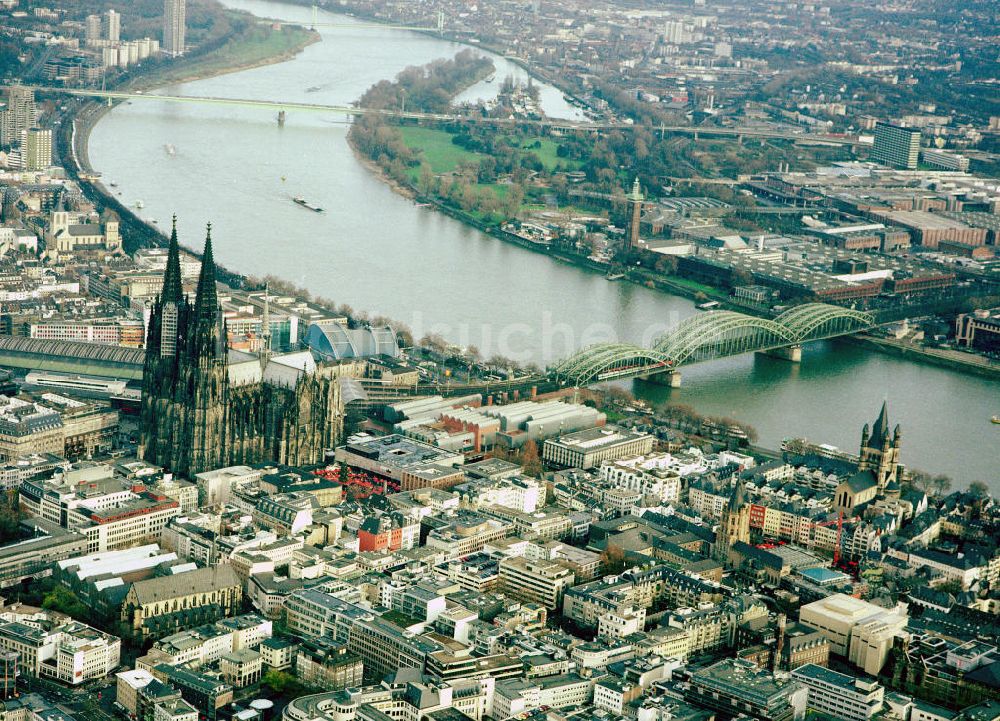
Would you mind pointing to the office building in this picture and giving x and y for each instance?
(409, 462)
(137, 520)
(21, 113)
(839, 695)
(323, 663)
(113, 26)
(734, 687)
(71, 652)
(591, 447)
(92, 28)
(467, 533)
(207, 693)
(241, 668)
(542, 582)
(857, 630)
(896, 146)
(386, 648)
(33, 558)
(128, 685)
(37, 149)
(312, 613)
(518, 493)
(515, 697)
(174, 26)
(945, 160)
(175, 709)
(151, 694)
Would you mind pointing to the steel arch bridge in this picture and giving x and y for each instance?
(721, 333)
(813, 321)
(712, 335)
(610, 361)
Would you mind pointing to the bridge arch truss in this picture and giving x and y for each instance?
(721, 333)
(820, 320)
(608, 361)
(711, 335)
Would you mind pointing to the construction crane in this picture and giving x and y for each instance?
(839, 520)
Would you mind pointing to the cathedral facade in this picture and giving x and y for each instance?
(205, 406)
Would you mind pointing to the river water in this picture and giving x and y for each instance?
(378, 251)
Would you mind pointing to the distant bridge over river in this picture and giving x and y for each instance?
(697, 132)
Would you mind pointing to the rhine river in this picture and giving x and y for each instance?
(379, 252)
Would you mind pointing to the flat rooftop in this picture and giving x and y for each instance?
(925, 220)
(596, 438)
(811, 671)
(399, 451)
(823, 576)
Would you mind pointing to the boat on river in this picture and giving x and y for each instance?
(299, 200)
(995, 419)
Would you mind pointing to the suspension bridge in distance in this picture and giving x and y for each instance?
(711, 336)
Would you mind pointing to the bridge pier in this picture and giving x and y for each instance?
(791, 353)
(671, 379)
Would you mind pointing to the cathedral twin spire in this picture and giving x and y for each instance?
(173, 292)
(206, 297)
(207, 330)
(206, 303)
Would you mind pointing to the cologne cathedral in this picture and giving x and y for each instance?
(206, 406)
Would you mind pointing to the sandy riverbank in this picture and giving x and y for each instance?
(376, 170)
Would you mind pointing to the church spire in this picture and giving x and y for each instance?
(172, 290)
(209, 328)
(206, 303)
(738, 498)
(880, 432)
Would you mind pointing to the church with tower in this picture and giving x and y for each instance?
(206, 406)
(734, 525)
(879, 470)
(880, 451)
(876, 482)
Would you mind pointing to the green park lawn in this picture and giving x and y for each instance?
(444, 156)
(440, 153)
(548, 153)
